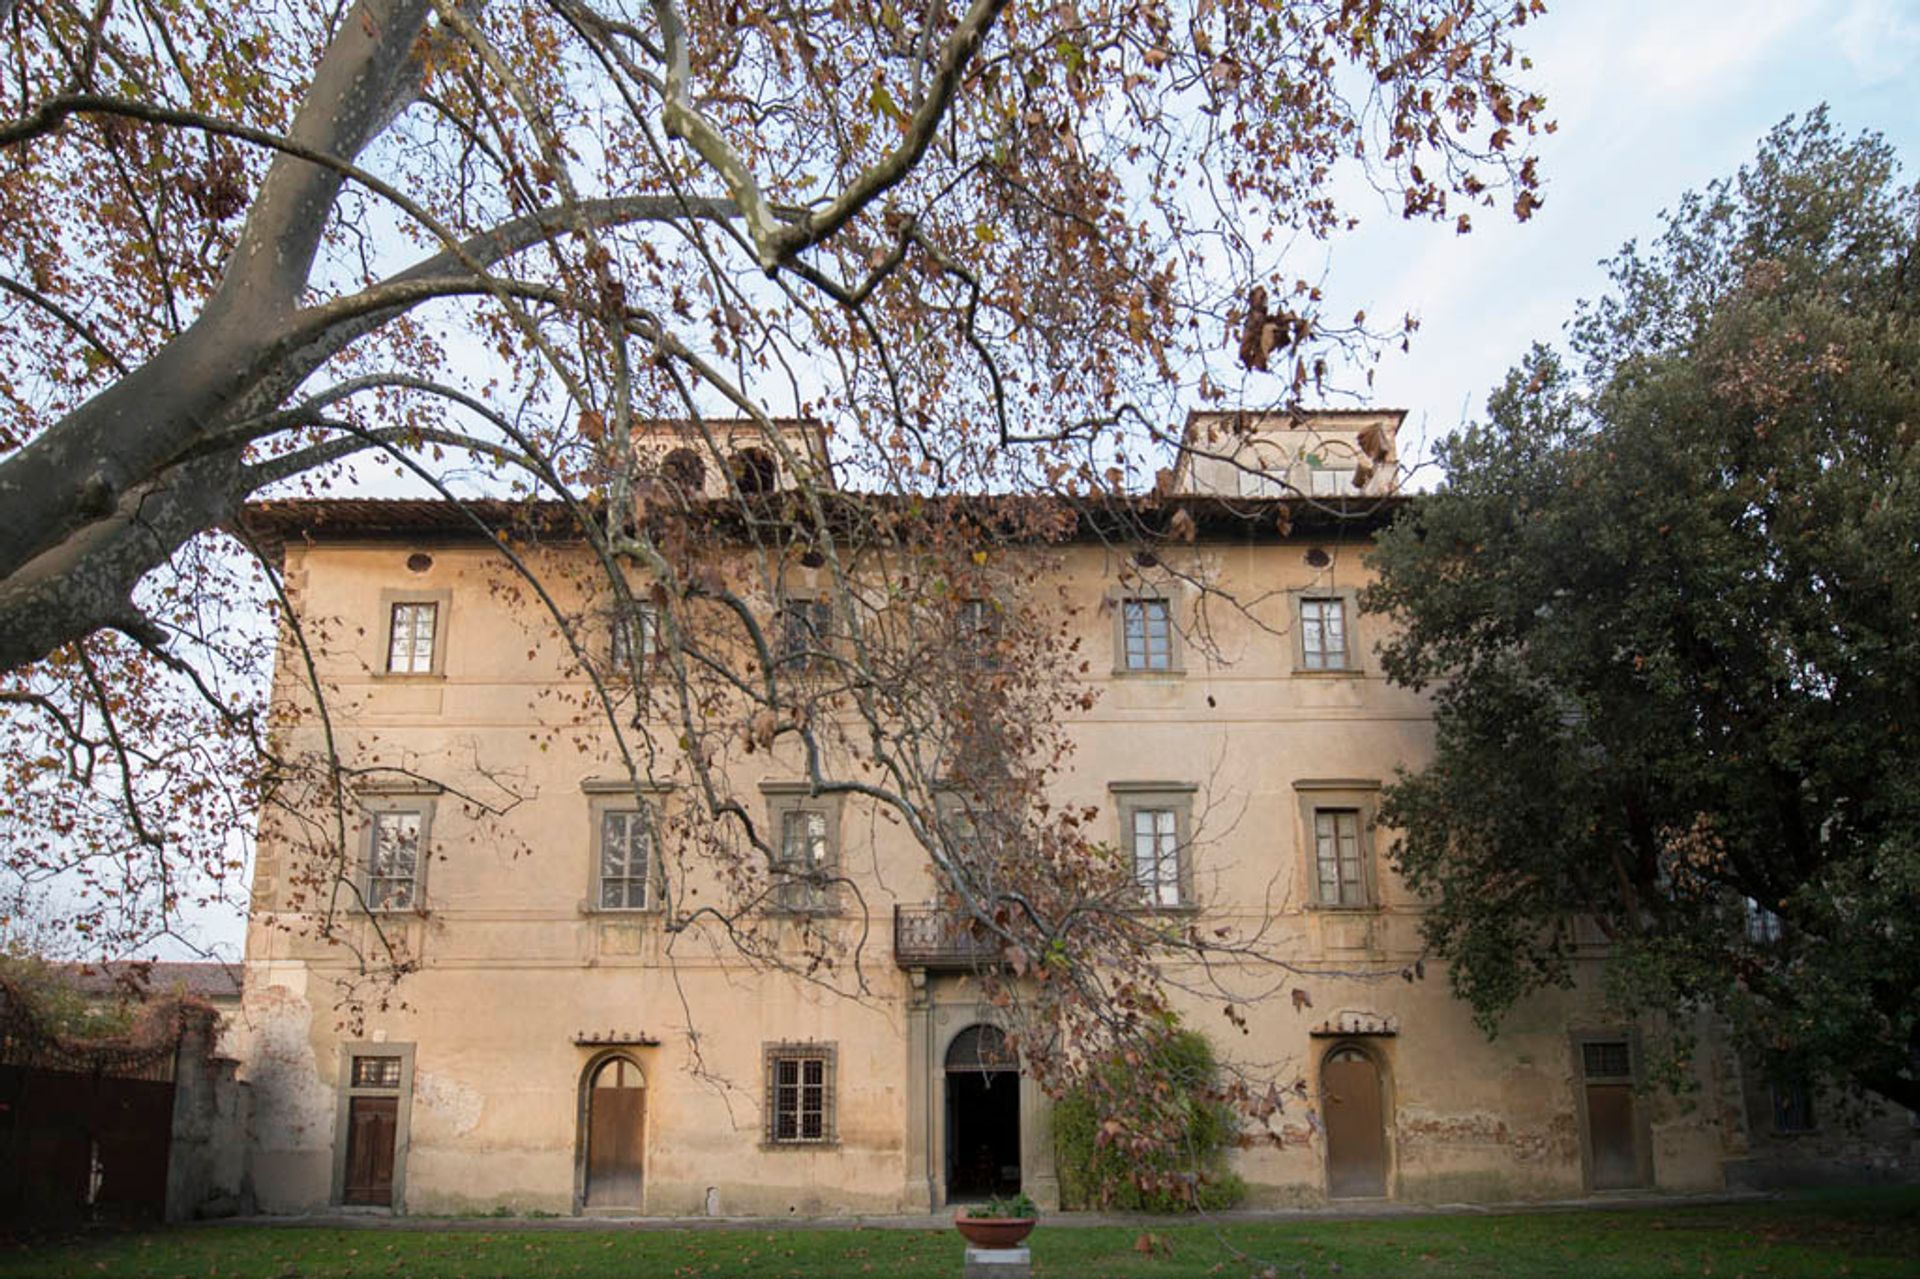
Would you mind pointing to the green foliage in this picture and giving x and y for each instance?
(56, 1006)
(1007, 1208)
(1150, 1133)
(1668, 603)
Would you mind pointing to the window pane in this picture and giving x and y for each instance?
(625, 860)
(1156, 855)
(1338, 868)
(1323, 634)
(410, 639)
(1147, 626)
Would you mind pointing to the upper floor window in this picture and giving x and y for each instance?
(411, 635)
(1764, 927)
(1327, 481)
(1154, 828)
(1324, 639)
(976, 633)
(800, 1094)
(625, 861)
(1156, 855)
(806, 854)
(803, 629)
(635, 635)
(1339, 865)
(1793, 1107)
(1146, 634)
(394, 859)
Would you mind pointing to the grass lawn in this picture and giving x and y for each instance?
(1861, 1233)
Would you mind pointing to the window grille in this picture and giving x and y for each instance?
(800, 1094)
(1606, 1059)
(376, 1072)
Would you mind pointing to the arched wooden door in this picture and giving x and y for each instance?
(616, 1134)
(1350, 1106)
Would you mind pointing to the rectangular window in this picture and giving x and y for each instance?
(1146, 627)
(976, 634)
(1330, 482)
(1764, 927)
(806, 857)
(1793, 1107)
(636, 633)
(1338, 862)
(1156, 855)
(376, 1072)
(626, 854)
(1606, 1059)
(393, 866)
(805, 627)
(1323, 634)
(799, 1094)
(410, 638)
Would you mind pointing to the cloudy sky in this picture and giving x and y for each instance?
(1652, 98)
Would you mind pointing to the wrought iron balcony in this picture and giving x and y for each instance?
(935, 939)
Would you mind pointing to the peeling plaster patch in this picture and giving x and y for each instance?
(293, 1108)
(450, 1100)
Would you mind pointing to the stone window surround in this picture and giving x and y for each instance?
(1353, 793)
(1130, 796)
(403, 1120)
(442, 618)
(613, 794)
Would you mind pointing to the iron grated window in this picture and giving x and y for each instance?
(800, 1094)
(376, 1072)
(1606, 1059)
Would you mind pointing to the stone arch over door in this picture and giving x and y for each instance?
(610, 1156)
(1353, 1110)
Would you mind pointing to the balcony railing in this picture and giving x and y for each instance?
(928, 937)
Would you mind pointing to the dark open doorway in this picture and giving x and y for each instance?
(983, 1116)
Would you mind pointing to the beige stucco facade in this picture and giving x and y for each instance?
(523, 986)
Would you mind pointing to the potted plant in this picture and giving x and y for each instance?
(997, 1223)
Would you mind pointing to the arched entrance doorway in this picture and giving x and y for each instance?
(1350, 1106)
(616, 1128)
(983, 1115)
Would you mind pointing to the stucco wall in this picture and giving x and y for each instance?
(514, 964)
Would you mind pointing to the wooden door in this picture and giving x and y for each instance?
(1356, 1136)
(1613, 1125)
(616, 1135)
(1611, 1150)
(372, 1125)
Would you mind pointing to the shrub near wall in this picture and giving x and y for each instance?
(1149, 1136)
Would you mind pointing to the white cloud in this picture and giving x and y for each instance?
(1880, 39)
(1688, 50)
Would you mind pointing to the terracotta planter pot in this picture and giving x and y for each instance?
(994, 1232)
